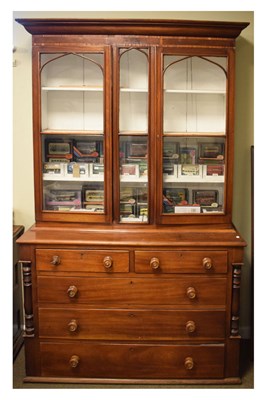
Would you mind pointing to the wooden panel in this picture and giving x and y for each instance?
(82, 260)
(131, 324)
(109, 291)
(181, 261)
(132, 360)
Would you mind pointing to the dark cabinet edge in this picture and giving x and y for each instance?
(151, 27)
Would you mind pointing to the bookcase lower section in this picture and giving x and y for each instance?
(130, 313)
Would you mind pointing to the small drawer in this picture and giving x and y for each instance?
(82, 260)
(181, 261)
(131, 324)
(132, 361)
(186, 290)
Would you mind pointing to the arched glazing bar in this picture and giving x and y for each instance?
(203, 58)
(75, 54)
(134, 48)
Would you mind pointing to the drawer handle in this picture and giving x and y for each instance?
(207, 263)
(73, 325)
(155, 263)
(190, 327)
(72, 291)
(191, 293)
(107, 262)
(55, 260)
(74, 361)
(189, 363)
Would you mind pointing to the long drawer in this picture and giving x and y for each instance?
(132, 324)
(181, 261)
(82, 260)
(185, 290)
(140, 361)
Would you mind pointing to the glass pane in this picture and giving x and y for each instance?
(193, 175)
(194, 127)
(73, 173)
(72, 92)
(133, 179)
(194, 94)
(133, 135)
(133, 91)
(72, 97)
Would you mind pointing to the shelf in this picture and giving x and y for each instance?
(132, 133)
(76, 210)
(66, 88)
(70, 178)
(54, 178)
(194, 91)
(74, 132)
(134, 90)
(194, 179)
(194, 134)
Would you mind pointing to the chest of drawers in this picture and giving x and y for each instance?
(126, 312)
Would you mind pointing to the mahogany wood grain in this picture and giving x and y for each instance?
(131, 324)
(140, 237)
(181, 261)
(132, 360)
(82, 260)
(112, 291)
(83, 41)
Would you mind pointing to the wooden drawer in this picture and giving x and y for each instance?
(132, 360)
(131, 324)
(181, 261)
(108, 291)
(82, 260)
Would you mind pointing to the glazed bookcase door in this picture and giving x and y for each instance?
(132, 128)
(75, 135)
(194, 136)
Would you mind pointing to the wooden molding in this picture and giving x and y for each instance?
(133, 27)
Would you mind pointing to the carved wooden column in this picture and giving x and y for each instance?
(27, 298)
(236, 298)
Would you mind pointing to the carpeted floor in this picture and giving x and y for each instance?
(246, 370)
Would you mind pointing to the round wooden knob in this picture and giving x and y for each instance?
(107, 262)
(55, 260)
(191, 292)
(74, 361)
(207, 263)
(190, 326)
(73, 325)
(189, 363)
(72, 291)
(154, 263)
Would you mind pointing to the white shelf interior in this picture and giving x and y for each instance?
(194, 95)
(72, 92)
(134, 84)
(72, 88)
